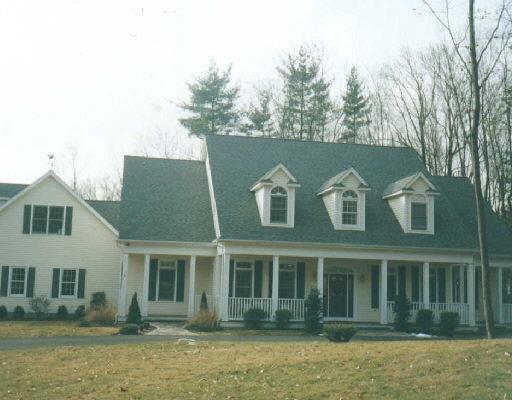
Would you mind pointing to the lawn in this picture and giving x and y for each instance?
(23, 329)
(466, 369)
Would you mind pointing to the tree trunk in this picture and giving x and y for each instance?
(482, 232)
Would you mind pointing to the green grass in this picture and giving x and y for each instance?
(24, 329)
(453, 369)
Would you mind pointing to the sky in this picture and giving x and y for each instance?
(99, 76)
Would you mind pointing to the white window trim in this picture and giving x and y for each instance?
(294, 264)
(68, 296)
(358, 212)
(361, 218)
(173, 267)
(47, 233)
(235, 266)
(10, 281)
(285, 224)
(429, 204)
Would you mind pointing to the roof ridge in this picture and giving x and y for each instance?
(105, 201)
(162, 158)
(18, 184)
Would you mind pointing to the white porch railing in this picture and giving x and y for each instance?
(507, 313)
(237, 306)
(295, 306)
(437, 309)
(212, 302)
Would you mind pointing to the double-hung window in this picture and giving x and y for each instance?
(278, 205)
(68, 282)
(18, 282)
(166, 285)
(287, 281)
(349, 208)
(244, 279)
(48, 220)
(418, 213)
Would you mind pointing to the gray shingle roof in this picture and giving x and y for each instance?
(236, 162)
(108, 210)
(8, 190)
(165, 200)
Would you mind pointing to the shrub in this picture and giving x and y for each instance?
(204, 303)
(448, 322)
(84, 323)
(425, 320)
(129, 329)
(3, 313)
(18, 313)
(402, 310)
(313, 312)
(283, 318)
(203, 321)
(145, 325)
(134, 312)
(101, 316)
(39, 305)
(98, 300)
(253, 318)
(339, 332)
(79, 313)
(62, 313)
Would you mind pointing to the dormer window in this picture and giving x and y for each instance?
(278, 205)
(418, 213)
(349, 208)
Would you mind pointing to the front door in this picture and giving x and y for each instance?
(339, 295)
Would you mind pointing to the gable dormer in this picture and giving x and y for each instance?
(275, 197)
(344, 196)
(412, 200)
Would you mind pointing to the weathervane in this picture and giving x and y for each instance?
(51, 158)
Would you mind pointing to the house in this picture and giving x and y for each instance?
(259, 222)
(55, 244)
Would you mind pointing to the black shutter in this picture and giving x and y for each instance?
(4, 284)
(258, 278)
(375, 286)
(180, 290)
(81, 284)
(270, 278)
(441, 276)
(478, 285)
(27, 214)
(231, 276)
(69, 221)
(153, 271)
(55, 283)
(301, 279)
(401, 281)
(31, 279)
(415, 282)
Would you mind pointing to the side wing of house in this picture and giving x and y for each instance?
(53, 244)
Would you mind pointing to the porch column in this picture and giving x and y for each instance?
(471, 294)
(121, 302)
(426, 285)
(383, 299)
(275, 285)
(192, 286)
(145, 287)
(320, 277)
(224, 287)
(500, 296)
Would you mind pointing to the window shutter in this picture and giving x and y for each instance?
(180, 291)
(375, 286)
(401, 281)
(81, 284)
(301, 278)
(441, 276)
(270, 278)
(31, 279)
(55, 283)
(69, 221)
(478, 285)
(258, 278)
(153, 271)
(27, 214)
(231, 276)
(4, 281)
(415, 282)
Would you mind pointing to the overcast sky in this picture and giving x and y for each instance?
(100, 74)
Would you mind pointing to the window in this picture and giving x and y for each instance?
(278, 205)
(437, 285)
(459, 284)
(418, 213)
(506, 282)
(244, 278)
(18, 281)
(48, 219)
(349, 208)
(166, 285)
(392, 284)
(287, 281)
(68, 283)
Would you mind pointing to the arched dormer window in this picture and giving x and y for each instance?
(278, 205)
(419, 213)
(349, 208)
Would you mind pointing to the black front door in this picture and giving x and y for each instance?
(339, 295)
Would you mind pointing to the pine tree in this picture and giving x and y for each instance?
(356, 109)
(134, 316)
(212, 103)
(259, 115)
